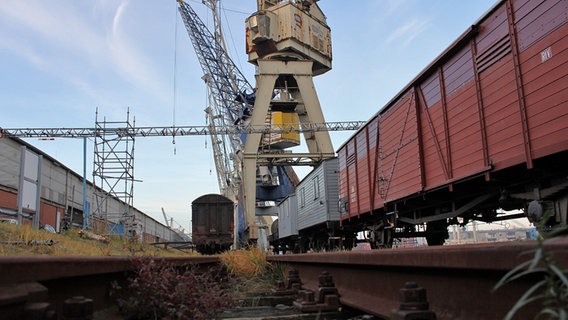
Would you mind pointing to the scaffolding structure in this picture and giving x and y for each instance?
(113, 175)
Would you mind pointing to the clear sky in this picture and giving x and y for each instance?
(60, 60)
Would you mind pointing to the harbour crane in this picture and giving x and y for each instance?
(231, 100)
(290, 43)
(169, 222)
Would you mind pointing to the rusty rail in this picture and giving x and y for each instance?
(44, 279)
(459, 280)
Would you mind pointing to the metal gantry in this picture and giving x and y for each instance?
(116, 132)
(113, 171)
(177, 131)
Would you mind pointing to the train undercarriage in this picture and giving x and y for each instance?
(323, 237)
(539, 195)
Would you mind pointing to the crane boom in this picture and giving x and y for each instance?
(166, 218)
(227, 90)
(226, 78)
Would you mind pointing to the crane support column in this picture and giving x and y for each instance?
(293, 80)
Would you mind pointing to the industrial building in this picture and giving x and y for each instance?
(45, 192)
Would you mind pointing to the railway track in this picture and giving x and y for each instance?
(458, 280)
(40, 279)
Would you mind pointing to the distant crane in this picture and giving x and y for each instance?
(169, 223)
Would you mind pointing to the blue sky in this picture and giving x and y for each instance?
(60, 60)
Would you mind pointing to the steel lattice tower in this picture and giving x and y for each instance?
(113, 173)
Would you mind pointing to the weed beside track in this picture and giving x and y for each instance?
(22, 240)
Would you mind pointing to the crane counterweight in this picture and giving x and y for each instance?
(290, 30)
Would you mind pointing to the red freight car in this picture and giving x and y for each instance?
(485, 126)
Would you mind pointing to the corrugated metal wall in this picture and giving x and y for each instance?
(9, 163)
(61, 191)
(288, 217)
(318, 195)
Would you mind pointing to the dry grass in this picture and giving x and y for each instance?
(255, 273)
(245, 263)
(15, 241)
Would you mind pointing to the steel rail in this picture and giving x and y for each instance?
(56, 279)
(459, 280)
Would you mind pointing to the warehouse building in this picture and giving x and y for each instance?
(37, 189)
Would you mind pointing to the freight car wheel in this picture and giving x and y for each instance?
(437, 232)
(304, 244)
(318, 242)
(349, 241)
(382, 239)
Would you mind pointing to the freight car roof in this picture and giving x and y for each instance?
(444, 56)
